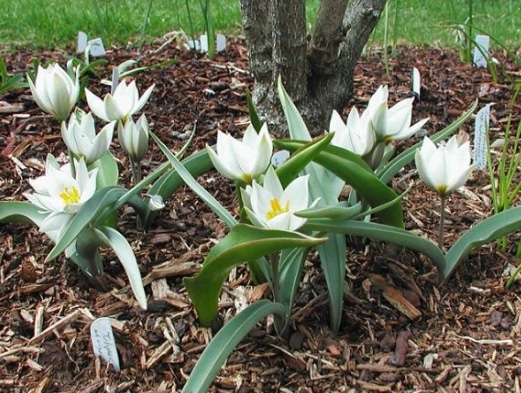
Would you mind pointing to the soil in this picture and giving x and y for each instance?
(465, 337)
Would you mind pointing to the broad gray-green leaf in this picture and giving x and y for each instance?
(488, 230)
(385, 233)
(242, 244)
(102, 201)
(220, 347)
(21, 212)
(126, 256)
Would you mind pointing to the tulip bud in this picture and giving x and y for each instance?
(54, 91)
(81, 139)
(133, 138)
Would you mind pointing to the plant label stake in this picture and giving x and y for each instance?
(416, 83)
(115, 80)
(279, 158)
(481, 51)
(95, 46)
(220, 43)
(480, 137)
(82, 42)
(103, 343)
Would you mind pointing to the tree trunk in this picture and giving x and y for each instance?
(317, 71)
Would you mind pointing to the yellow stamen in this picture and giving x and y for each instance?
(276, 209)
(70, 195)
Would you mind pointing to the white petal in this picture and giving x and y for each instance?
(142, 100)
(272, 183)
(96, 105)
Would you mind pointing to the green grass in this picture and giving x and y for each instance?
(49, 24)
(422, 22)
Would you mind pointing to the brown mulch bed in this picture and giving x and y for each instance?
(465, 340)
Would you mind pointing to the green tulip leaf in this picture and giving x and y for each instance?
(290, 274)
(254, 117)
(333, 262)
(363, 180)
(190, 181)
(488, 230)
(103, 201)
(21, 212)
(108, 173)
(223, 343)
(341, 211)
(197, 164)
(393, 167)
(244, 243)
(296, 126)
(119, 244)
(288, 171)
(381, 232)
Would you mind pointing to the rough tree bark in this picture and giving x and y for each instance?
(316, 71)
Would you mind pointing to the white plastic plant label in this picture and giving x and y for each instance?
(220, 42)
(103, 342)
(480, 137)
(96, 47)
(416, 83)
(279, 158)
(82, 42)
(481, 54)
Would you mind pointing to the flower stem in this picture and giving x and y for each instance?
(274, 260)
(136, 170)
(442, 223)
(72, 166)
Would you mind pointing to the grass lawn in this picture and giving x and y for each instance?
(54, 23)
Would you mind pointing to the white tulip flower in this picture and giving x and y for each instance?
(356, 135)
(270, 206)
(61, 195)
(395, 123)
(133, 138)
(155, 202)
(444, 168)
(379, 97)
(54, 91)
(118, 107)
(58, 191)
(242, 160)
(81, 139)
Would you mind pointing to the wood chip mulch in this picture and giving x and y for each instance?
(400, 332)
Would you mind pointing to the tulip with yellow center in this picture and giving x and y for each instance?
(60, 194)
(270, 206)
